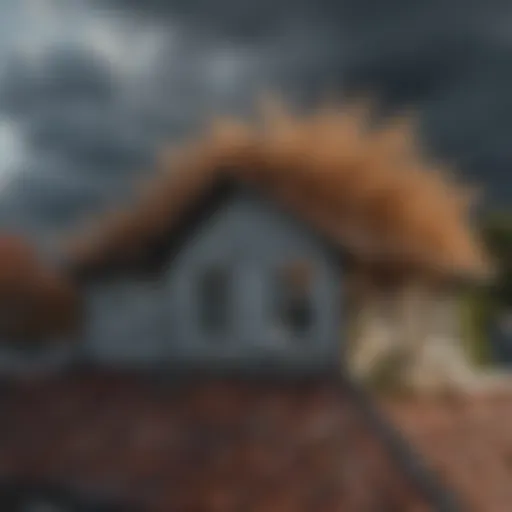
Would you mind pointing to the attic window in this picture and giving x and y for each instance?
(214, 287)
(294, 305)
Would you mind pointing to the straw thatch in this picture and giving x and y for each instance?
(369, 191)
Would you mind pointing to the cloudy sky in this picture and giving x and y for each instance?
(89, 89)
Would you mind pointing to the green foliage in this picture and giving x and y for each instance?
(476, 311)
(481, 306)
(497, 233)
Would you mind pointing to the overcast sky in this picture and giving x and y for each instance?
(89, 89)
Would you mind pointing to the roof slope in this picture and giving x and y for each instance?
(370, 190)
(468, 440)
(205, 446)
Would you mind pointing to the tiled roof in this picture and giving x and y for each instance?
(468, 441)
(214, 445)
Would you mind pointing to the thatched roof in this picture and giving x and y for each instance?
(368, 190)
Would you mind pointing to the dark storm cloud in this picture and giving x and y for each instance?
(91, 136)
(416, 72)
(442, 56)
(52, 204)
(258, 20)
(47, 194)
(406, 51)
(64, 74)
(409, 52)
(243, 21)
(81, 142)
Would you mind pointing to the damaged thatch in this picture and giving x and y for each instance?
(369, 190)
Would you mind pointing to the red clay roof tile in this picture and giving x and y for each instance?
(468, 441)
(211, 446)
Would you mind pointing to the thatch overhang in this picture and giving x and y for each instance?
(368, 191)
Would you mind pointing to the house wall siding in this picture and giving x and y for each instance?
(155, 324)
(252, 238)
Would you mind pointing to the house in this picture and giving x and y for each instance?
(246, 285)
(397, 227)
(260, 243)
